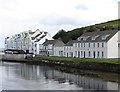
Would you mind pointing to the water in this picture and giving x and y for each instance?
(16, 76)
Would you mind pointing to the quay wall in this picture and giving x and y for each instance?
(13, 56)
(104, 67)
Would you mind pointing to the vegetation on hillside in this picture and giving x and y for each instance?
(75, 33)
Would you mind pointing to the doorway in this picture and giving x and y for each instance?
(94, 54)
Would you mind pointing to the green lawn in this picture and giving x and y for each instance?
(84, 60)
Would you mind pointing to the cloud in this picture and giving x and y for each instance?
(59, 20)
(81, 7)
(52, 15)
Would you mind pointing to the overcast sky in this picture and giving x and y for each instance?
(52, 15)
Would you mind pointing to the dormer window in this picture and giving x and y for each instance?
(83, 38)
(79, 39)
(94, 37)
(105, 36)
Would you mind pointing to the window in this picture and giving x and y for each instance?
(75, 44)
(94, 37)
(75, 53)
(85, 38)
(89, 53)
(94, 44)
(98, 53)
(50, 46)
(78, 44)
(102, 44)
(81, 53)
(79, 39)
(98, 44)
(105, 36)
(67, 48)
(102, 54)
(81, 45)
(78, 54)
(35, 45)
(59, 53)
(84, 54)
(64, 53)
(89, 44)
(84, 44)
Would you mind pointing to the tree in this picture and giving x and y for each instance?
(60, 34)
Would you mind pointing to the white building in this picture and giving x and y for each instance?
(68, 49)
(51, 48)
(28, 41)
(100, 44)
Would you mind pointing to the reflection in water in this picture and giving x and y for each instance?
(23, 76)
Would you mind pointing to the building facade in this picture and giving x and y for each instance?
(68, 49)
(52, 48)
(100, 44)
(28, 41)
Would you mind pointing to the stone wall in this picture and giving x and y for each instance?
(14, 56)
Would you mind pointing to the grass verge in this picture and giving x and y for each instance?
(80, 60)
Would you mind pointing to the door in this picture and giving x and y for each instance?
(84, 54)
(94, 54)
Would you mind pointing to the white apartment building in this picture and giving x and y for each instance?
(28, 41)
(100, 44)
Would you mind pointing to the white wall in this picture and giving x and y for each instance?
(119, 43)
(58, 51)
(42, 41)
(68, 51)
(112, 47)
(80, 50)
(14, 56)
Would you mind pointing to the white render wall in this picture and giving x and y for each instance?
(58, 51)
(112, 47)
(119, 45)
(41, 42)
(82, 51)
(68, 51)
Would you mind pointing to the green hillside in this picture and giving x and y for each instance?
(75, 33)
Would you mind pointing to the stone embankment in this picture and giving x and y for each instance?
(104, 67)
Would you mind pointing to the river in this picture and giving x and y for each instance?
(20, 76)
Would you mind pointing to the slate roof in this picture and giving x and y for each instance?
(100, 34)
(31, 32)
(47, 42)
(70, 43)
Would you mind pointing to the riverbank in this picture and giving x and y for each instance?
(104, 65)
(78, 60)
